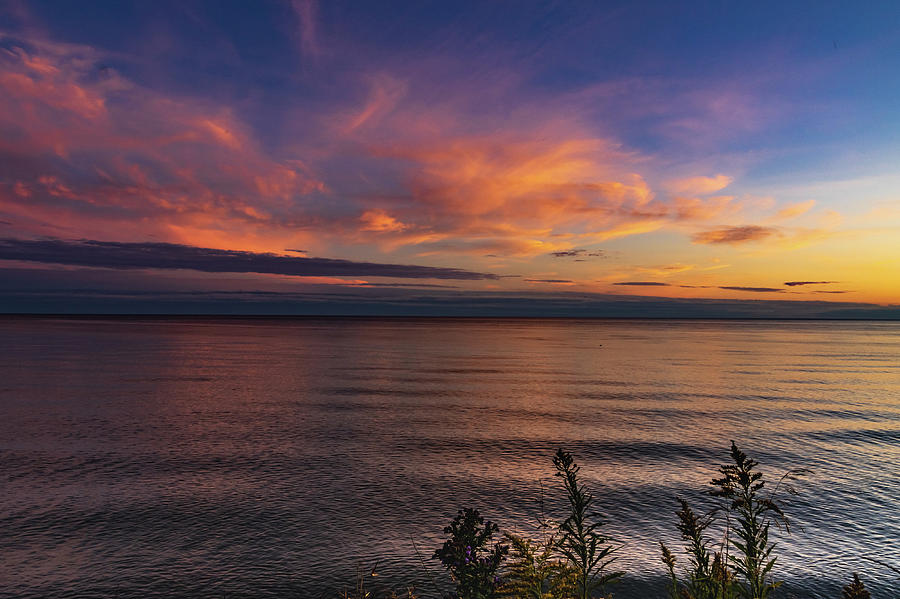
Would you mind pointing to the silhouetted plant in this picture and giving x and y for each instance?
(359, 588)
(468, 555)
(741, 485)
(534, 569)
(707, 575)
(669, 560)
(722, 577)
(855, 590)
(691, 527)
(534, 572)
(588, 551)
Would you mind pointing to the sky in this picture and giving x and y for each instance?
(459, 158)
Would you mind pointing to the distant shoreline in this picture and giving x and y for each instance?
(199, 316)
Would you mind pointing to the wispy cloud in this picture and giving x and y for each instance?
(795, 210)
(306, 12)
(698, 185)
(734, 235)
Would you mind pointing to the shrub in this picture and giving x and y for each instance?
(468, 555)
(855, 590)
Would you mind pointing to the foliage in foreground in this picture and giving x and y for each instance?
(572, 559)
(469, 556)
(743, 564)
(587, 550)
(855, 590)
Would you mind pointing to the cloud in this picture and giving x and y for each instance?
(30, 291)
(795, 209)
(837, 291)
(118, 255)
(381, 222)
(408, 155)
(385, 94)
(797, 283)
(753, 289)
(684, 209)
(734, 235)
(698, 185)
(400, 285)
(305, 11)
(557, 281)
(577, 253)
(399, 169)
(86, 146)
(511, 194)
(664, 270)
(643, 284)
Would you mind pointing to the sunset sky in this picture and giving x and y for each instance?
(450, 157)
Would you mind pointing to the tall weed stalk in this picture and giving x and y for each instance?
(750, 514)
(586, 549)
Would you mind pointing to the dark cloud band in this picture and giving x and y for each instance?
(753, 289)
(577, 253)
(797, 283)
(118, 255)
(643, 284)
(548, 281)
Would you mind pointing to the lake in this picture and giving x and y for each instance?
(203, 457)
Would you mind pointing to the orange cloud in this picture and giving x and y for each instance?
(796, 209)
(702, 209)
(380, 222)
(524, 196)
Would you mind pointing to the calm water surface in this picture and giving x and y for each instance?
(267, 458)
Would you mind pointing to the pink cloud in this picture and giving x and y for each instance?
(179, 167)
(411, 164)
(307, 15)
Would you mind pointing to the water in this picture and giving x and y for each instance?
(268, 458)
